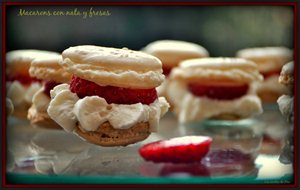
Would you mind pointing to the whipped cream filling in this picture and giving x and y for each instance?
(195, 108)
(20, 94)
(175, 92)
(67, 109)
(192, 108)
(40, 100)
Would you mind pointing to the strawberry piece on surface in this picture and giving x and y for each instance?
(112, 94)
(177, 150)
(221, 92)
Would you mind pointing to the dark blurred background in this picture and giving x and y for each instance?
(222, 30)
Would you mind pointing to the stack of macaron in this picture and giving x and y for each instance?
(269, 61)
(51, 73)
(214, 88)
(286, 101)
(111, 99)
(286, 107)
(20, 85)
(171, 53)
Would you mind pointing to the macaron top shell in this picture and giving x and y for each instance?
(49, 68)
(217, 69)
(171, 52)
(115, 67)
(267, 58)
(18, 61)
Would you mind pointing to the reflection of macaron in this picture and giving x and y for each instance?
(55, 150)
(111, 100)
(20, 86)
(230, 162)
(171, 53)
(51, 73)
(219, 88)
(269, 61)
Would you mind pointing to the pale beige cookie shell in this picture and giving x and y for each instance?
(267, 58)
(41, 119)
(108, 136)
(114, 67)
(49, 68)
(18, 61)
(287, 74)
(171, 52)
(208, 70)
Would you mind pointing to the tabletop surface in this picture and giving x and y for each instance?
(37, 155)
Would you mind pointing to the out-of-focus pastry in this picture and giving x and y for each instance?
(51, 73)
(269, 61)
(9, 107)
(171, 53)
(286, 107)
(111, 99)
(20, 85)
(214, 88)
(287, 76)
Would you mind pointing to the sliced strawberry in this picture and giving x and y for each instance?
(23, 79)
(222, 92)
(112, 94)
(167, 70)
(49, 85)
(177, 150)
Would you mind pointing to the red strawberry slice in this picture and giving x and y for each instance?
(167, 70)
(222, 92)
(177, 150)
(49, 85)
(112, 94)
